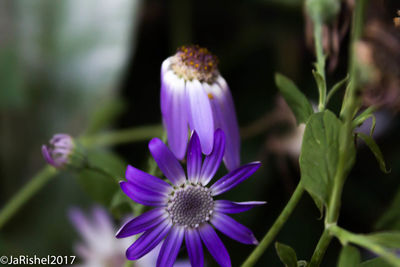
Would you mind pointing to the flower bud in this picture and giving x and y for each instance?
(62, 151)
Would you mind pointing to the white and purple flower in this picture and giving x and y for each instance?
(99, 248)
(187, 208)
(194, 95)
(62, 150)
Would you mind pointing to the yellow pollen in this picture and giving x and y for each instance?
(210, 96)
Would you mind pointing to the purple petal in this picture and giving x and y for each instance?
(102, 220)
(233, 229)
(167, 162)
(142, 223)
(173, 108)
(147, 241)
(226, 206)
(225, 116)
(214, 245)
(147, 181)
(194, 158)
(234, 178)
(142, 195)
(171, 246)
(194, 247)
(211, 162)
(47, 156)
(201, 114)
(82, 224)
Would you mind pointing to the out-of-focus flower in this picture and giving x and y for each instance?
(396, 20)
(378, 57)
(194, 94)
(186, 209)
(63, 151)
(100, 248)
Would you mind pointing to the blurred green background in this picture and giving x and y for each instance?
(61, 61)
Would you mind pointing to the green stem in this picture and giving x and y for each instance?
(320, 64)
(345, 236)
(349, 109)
(276, 227)
(319, 251)
(32, 187)
(141, 133)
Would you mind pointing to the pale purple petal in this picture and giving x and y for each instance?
(149, 240)
(194, 247)
(167, 162)
(147, 181)
(225, 118)
(47, 156)
(233, 229)
(142, 195)
(211, 162)
(201, 114)
(214, 245)
(82, 224)
(226, 206)
(142, 223)
(194, 158)
(173, 109)
(170, 248)
(234, 178)
(102, 221)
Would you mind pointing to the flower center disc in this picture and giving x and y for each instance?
(195, 62)
(190, 205)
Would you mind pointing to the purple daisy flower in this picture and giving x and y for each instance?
(185, 209)
(194, 94)
(62, 150)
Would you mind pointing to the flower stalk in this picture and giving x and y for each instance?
(276, 227)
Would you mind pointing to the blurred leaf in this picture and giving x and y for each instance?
(296, 100)
(391, 218)
(349, 257)
(336, 87)
(286, 254)
(302, 263)
(121, 204)
(376, 262)
(387, 239)
(375, 149)
(101, 180)
(319, 154)
(104, 115)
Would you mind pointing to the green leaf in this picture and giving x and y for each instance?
(390, 239)
(336, 87)
(302, 263)
(296, 100)
(375, 150)
(121, 204)
(349, 257)
(376, 262)
(319, 154)
(391, 218)
(100, 181)
(286, 254)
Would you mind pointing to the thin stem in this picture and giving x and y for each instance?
(345, 236)
(319, 251)
(141, 133)
(32, 187)
(349, 109)
(320, 64)
(275, 228)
